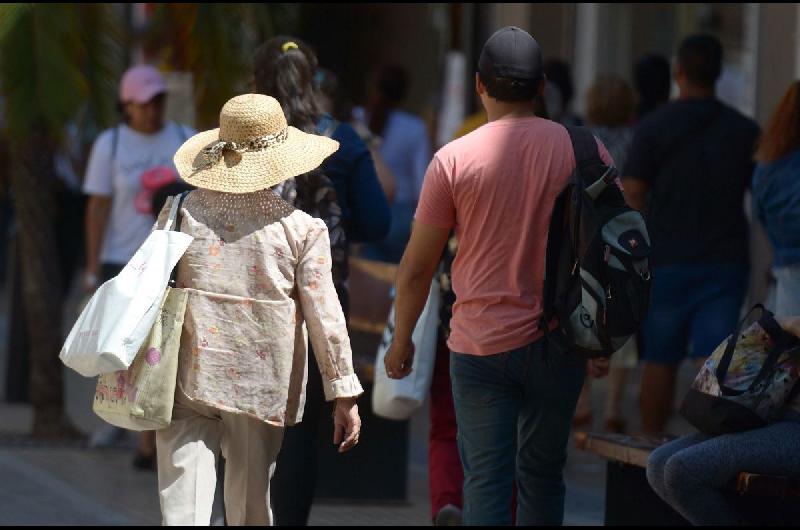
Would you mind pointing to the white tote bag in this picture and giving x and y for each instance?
(121, 313)
(397, 399)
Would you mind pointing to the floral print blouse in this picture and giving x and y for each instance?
(259, 279)
(315, 194)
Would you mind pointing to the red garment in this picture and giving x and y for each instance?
(445, 473)
(444, 464)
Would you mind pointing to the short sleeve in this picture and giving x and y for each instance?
(437, 204)
(421, 156)
(99, 170)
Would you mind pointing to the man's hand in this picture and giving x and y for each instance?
(346, 424)
(399, 359)
(598, 368)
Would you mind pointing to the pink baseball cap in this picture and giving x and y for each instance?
(141, 83)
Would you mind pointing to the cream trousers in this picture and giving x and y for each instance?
(187, 465)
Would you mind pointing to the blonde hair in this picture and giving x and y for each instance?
(609, 101)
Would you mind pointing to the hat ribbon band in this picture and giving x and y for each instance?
(214, 152)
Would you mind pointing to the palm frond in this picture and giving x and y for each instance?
(104, 41)
(42, 86)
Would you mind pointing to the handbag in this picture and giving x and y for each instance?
(397, 399)
(748, 379)
(142, 397)
(115, 323)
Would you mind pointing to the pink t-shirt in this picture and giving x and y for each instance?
(497, 186)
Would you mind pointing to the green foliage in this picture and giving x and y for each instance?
(56, 60)
(215, 42)
(61, 63)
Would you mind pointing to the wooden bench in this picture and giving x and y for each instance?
(630, 500)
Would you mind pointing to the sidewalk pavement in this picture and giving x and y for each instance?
(52, 484)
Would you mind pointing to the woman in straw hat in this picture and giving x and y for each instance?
(258, 272)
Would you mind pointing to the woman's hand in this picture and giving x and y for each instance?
(399, 359)
(346, 424)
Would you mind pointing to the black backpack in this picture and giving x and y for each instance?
(597, 277)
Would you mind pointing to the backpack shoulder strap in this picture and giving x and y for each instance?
(114, 142)
(181, 132)
(584, 145)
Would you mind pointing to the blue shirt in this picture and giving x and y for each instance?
(776, 202)
(407, 151)
(365, 209)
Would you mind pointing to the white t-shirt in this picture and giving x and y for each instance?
(119, 176)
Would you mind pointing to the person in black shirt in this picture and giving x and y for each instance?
(651, 77)
(690, 164)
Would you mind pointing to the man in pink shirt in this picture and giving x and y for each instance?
(514, 395)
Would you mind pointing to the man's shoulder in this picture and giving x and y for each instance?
(738, 119)
(666, 113)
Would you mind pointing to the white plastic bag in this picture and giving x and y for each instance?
(397, 399)
(120, 314)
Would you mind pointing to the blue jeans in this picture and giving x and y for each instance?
(514, 413)
(691, 473)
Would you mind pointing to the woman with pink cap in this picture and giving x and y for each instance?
(128, 163)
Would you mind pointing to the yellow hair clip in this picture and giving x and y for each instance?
(289, 45)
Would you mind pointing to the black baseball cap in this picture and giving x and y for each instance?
(513, 54)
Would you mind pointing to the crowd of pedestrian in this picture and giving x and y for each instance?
(297, 177)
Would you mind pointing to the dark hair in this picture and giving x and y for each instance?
(284, 69)
(782, 135)
(326, 82)
(507, 89)
(392, 83)
(652, 78)
(557, 72)
(700, 57)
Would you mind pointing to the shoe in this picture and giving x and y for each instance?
(144, 463)
(448, 516)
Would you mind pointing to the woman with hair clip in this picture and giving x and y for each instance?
(346, 194)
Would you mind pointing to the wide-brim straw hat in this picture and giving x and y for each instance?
(253, 149)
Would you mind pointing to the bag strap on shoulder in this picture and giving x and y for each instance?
(174, 218)
(175, 211)
(584, 145)
(114, 142)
